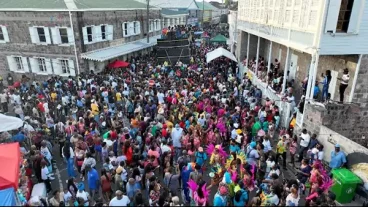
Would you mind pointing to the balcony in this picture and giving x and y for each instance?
(284, 107)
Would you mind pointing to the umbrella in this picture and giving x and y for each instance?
(16, 84)
(151, 82)
(118, 64)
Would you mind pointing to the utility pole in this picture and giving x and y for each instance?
(148, 21)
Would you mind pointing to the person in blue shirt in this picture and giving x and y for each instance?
(241, 195)
(93, 180)
(326, 83)
(316, 91)
(234, 147)
(200, 156)
(185, 178)
(19, 137)
(338, 158)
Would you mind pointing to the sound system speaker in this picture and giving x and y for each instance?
(173, 50)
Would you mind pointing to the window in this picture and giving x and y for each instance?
(42, 65)
(65, 66)
(103, 32)
(150, 25)
(89, 34)
(344, 15)
(63, 35)
(41, 34)
(2, 38)
(19, 63)
(125, 29)
(135, 27)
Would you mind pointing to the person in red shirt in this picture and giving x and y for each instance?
(113, 134)
(128, 152)
(164, 130)
(40, 107)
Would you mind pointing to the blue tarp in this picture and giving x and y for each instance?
(7, 197)
(198, 33)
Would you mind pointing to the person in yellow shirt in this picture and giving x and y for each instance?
(94, 107)
(53, 96)
(281, 151)
(118, 96)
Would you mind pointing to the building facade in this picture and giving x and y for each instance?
(176, 12)
(208, 13)
(309, 38)
(233, 30)
(66, 38)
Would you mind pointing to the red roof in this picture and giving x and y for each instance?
(10, 161)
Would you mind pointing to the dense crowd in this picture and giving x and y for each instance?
(165, 135)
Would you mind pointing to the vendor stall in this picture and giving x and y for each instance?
(15, 186)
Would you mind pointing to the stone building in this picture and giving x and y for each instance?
(309, 38)
(67, 37)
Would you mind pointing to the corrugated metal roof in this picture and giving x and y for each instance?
(120, 50)
(207, 6)
(173, 4)
(32, 4)
(65, 5)
(126, 4)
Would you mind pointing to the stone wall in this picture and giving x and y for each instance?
(337, 63)
(345, 119)
(361, 90)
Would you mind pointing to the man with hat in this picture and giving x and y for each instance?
(344, 83)
(338, 158)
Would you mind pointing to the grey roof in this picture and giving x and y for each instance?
(126, 4)
(32, 4)
(50, 5)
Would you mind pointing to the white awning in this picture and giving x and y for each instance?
(120, 50)
(219, 52)
(8, 123)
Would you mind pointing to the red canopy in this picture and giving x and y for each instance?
(10, 162)
(118, 64)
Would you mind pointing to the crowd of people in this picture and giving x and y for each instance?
(165, 135)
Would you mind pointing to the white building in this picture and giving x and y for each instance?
(309, 37)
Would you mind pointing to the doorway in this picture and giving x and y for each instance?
(293, 67)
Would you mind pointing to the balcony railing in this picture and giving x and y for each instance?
(284, 107)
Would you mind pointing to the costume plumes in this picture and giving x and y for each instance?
(217, 154)
(194, 187)
(231, 164)
(217, 160)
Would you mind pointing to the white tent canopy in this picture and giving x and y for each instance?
(219, 52)
(8, 123)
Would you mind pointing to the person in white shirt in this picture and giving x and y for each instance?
(119, 199)
(304, 143)
(266, 144)
(165, 147)
(45, 176)
(344, 83)
(160, 97)
(4, 102)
